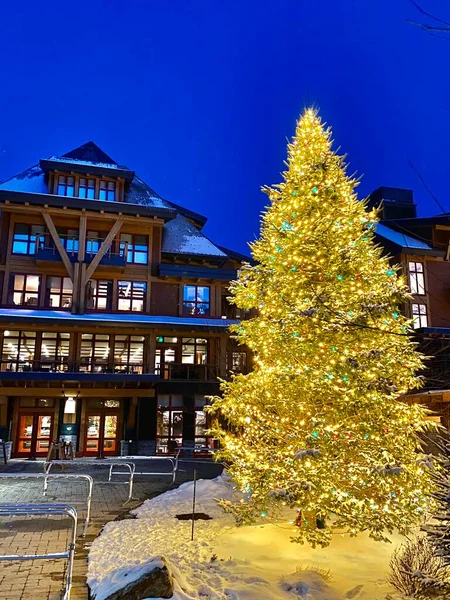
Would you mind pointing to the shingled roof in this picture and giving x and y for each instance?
(182, 232)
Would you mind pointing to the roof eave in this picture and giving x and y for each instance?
(55, 165)
(79, 203)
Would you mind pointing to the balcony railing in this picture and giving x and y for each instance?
(168, 371)
(46, 250)
(187, 372)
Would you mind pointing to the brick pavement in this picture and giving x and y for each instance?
(43, 579)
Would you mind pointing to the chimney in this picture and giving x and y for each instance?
(394, 203)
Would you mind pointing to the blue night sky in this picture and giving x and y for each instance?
(198, 96)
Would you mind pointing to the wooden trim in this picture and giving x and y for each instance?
(103, 248)
(55, 237)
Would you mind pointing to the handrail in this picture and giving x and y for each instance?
(98, 462)
(46, 509)
(47, 476)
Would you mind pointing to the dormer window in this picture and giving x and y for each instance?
(66, 185)
(86, 188)
(107, 191)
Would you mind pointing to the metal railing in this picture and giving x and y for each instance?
(187, 372)
(88, 365)
(172, 459)
(98, 462)
(71, 243)
(47, 476)
(47, 510)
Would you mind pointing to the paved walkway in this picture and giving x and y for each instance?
(43, 579)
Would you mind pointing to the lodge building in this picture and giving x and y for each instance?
(113, 312)
(421, 246)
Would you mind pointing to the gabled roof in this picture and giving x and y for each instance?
(180, 236)
(90, 152)
(181, 232)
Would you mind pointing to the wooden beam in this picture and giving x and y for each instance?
(55, 237)
(102, 250)
(82, 238)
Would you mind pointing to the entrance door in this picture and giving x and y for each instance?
(34, 434)
(102, 433)
(163, 357)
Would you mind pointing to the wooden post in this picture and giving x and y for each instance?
(103, 248)
(55, 237)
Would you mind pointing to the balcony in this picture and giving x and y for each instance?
(47, 251)
(102, 370)
(187, 372)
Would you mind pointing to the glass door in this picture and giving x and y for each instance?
(102, 434)
(34, 434)
(163, 357)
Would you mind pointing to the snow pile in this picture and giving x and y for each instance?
(225, 562)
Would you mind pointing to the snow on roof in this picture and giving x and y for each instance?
(88, 163)
(401, 239)
(140, 193)
(181, 237)
(32, 180)
(125, 319)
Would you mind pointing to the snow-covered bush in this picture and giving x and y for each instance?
(417, 572)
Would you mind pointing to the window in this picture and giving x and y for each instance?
(416, 278)
(59, 292)
(194, 351)
(420, 315)
(132, 295)
(25, 290)
(55, 351)
(94, 352)
(195, 300)
(86, 188)
(69, 239)
(169, 423)
(129, 353)
(99, 294)
(25, 238)
(239, 362)
(18, 350)
(201, 423)
(107, 191)
(93, 242)
(135, 247)
(66, 185)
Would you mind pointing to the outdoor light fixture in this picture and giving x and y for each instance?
(69, 408)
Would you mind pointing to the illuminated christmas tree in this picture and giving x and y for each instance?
(318, 426)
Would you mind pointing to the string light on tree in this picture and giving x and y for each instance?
(318, 426)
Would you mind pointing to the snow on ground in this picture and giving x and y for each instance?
(226, 562)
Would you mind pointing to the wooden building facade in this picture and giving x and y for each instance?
(113, 314)
(421, 246)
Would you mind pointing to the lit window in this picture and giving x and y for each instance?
(135, 247)
(194, 351)
(86, 188)
(128, 353)
(195, 300)
(420, 315)
(239, 362)
(69, 239)
(18, 350)
(93, 242)
(25, 238)
(202, 423)
(416, 278)
(94, 352)
(132, 295)
(99, 294)
(59, 292)
(66, 185)
(169, 423)
(25, 290)
(107, 191)
(55, 351)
